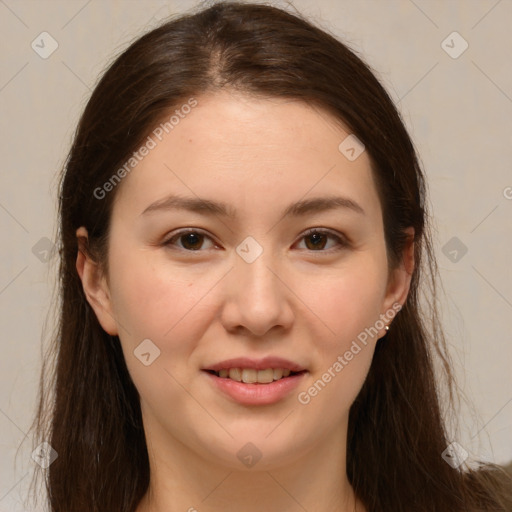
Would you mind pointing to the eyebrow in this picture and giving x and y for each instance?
(210, 207)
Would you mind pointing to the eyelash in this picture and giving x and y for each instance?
(341, 241)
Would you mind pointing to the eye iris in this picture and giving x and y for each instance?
(318, 240)
(192, 239)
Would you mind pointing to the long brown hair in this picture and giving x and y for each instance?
(89, 409)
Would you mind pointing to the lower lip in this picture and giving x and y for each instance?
(256, 394)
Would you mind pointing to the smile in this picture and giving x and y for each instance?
(251, 376)
(246, 388)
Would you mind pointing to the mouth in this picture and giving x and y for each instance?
(253, 376)
(249, 381)
(249, 390)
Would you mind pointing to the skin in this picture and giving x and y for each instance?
(200, 307)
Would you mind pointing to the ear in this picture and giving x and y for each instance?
(400, 279)
(94, 284)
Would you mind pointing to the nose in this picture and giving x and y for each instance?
(256, 297)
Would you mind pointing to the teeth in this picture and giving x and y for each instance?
(235, 374)
(278, 373)
(251, 376)
(265, 376)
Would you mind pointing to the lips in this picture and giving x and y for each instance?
(256, 393)
(255, 381)
(256, 364)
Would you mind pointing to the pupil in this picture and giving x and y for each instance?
(317, 237)
(192, 239)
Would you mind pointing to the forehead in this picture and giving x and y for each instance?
(250, 153)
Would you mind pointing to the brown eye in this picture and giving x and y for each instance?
(316, 240)
(191, 240)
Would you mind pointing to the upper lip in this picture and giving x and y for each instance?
(256, 364)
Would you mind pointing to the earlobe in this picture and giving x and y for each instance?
(94, 284)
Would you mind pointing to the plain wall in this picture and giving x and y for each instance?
(458, 111)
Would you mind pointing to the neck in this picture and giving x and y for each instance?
(184, 480)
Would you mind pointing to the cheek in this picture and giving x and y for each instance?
(173, 306)
(154, 299)
(348, 306)
(348, 300)
(152, 302)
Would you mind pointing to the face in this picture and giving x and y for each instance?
(263, 269)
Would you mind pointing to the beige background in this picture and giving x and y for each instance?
(458, 111)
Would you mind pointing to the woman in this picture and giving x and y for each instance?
(243, 236)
